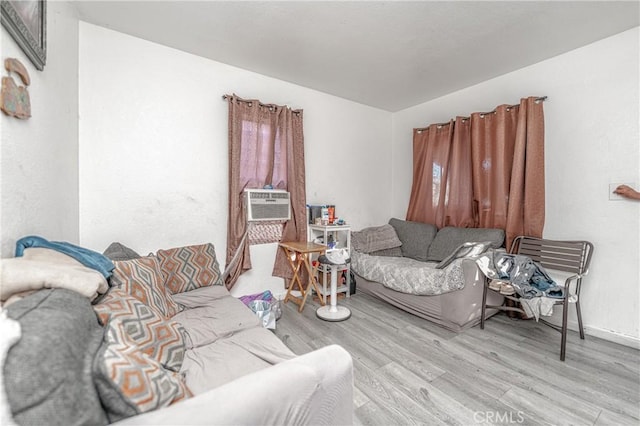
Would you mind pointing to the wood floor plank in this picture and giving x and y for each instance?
(550, 376)
(484, 406)
(410, 371)
(400, 407)
(608, 418)
(440, 404)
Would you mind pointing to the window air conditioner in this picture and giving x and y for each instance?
(267, 204)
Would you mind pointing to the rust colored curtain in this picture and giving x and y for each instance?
(493, 136)
(266, 146)
(527, 195)
(441, 193)
(492, 166)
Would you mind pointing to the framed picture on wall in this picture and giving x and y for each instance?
(26, 21)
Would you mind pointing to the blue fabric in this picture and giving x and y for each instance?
(88, 258)
(528, 277)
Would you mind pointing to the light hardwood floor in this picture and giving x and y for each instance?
(410, 371)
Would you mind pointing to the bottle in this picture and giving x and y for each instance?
(325, 215)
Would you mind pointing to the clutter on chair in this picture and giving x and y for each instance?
(531, 287)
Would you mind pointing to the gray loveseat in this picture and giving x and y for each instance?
(423, 246)
(167, 344)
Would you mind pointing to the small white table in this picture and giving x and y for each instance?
(333, 312)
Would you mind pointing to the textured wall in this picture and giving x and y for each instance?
(39, 156)
(153, 148)
(591, 123)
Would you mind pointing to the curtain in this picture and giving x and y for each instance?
(265, 148)
(296, 228)
(441, 193)
(527, 195)
(485, 171)
(493, 136)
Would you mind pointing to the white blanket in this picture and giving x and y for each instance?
(45, 268)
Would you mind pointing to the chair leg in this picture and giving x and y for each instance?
(563, 342)
(579, 313)
(580, 327)
(484, 304)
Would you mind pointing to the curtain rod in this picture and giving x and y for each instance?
(250, 101)
(482, 114)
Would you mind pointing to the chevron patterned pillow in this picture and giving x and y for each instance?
(161, 339)
(130, 382)
(142, 279)
(188, 268)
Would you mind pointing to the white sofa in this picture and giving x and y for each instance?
(194, 357)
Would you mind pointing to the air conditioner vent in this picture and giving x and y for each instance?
(267, 204)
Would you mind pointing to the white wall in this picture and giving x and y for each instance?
(592, 140)
(39, 156)
(153, 149)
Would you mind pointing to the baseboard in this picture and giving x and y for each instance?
(612, 336)
(608, 335)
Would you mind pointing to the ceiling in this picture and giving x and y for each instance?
(387, 54)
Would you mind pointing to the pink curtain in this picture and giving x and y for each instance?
(486, 171)
(266, 146)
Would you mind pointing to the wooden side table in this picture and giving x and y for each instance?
(299, 256)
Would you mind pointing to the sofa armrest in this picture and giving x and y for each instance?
(315, 388)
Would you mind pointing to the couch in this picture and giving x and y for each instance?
(401, 245)
(166, 344)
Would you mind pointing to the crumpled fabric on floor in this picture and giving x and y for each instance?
(538, 306)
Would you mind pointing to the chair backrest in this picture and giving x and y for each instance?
(567, 256)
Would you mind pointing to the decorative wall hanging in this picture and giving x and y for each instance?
(14, 99)
(26, 21)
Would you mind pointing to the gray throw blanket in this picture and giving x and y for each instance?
(407, 275)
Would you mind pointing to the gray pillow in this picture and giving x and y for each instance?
(416, 237)
(470, 249)
(450, 238)
(47, 372)
(375, 238)
(118, 251)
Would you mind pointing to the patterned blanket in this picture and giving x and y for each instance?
(407, 275)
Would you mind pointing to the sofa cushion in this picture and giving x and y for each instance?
(142, 279)
(229, 358)
(188, 268)
(129, 381)
(118, 251)
(375, 238)
(222, 317)
(450, 238)
(162, 339)
(203, 296)
(47, 373)
(416, 237)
